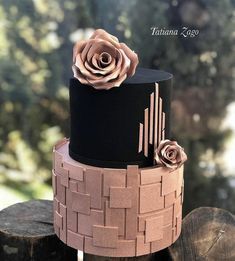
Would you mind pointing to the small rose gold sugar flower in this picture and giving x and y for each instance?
(170, 154)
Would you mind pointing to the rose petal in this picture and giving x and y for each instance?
(125, 64)
(132, 56)
(172, 154)
(105, 59)
(78, 75)
(99, 46)
(161, 145)
(110, 84)
(119, 80)
(104, 79)
(163, 150)
(93, 70)
(78, 47)
(86, 49)
(113, 75)
(94, 63)
(101, 34)
(83, 70)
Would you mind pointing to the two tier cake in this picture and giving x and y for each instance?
(118, 180)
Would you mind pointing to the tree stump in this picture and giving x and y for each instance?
(27, 233)
(207, 234)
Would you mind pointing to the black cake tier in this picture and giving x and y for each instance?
(121, 126)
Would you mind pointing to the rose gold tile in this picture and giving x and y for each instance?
(75, 172)
(131, 213)
(170, 199)
(60, 190)
(125, 248)
(156, 115)
(141, 133)
(58, 164)
(93, 179)
(154, 229)
(169, 182)
(180, 181)
(150, 198)
(163, 243)
(58, 220)
(56, 205)
(120, 197)
(177, 209)
(160, 121)
(151, 118)
(63, 229)
(81, 203)
(152, 175)
(113, 178)
(75, 240)
(115, 217)
(64, 179)
(163, 125)
(86, 222)
(104, 236)
(72, 216)
(146, 131)
(167, 214)
(178, 224)
(73, 186)
(54, 183)
(142, 248)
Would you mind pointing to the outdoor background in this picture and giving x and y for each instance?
(36, 39)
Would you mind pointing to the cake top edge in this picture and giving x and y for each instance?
(144, 76)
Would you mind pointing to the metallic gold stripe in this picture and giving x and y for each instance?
(163, 125)
(156, 115)
(146, 125)
(141, 128)
(160, 121)
(151, 118)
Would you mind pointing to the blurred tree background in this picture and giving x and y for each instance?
(36, 39)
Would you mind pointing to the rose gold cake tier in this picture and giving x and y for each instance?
(115, 212)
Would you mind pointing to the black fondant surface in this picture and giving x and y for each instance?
(143, 75)
(105, 123)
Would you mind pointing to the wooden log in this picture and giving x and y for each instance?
(207, 234)
(27, 233)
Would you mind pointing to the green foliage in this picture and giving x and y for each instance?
(35, 66)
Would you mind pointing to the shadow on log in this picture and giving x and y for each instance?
(208, 234)
(27, 233)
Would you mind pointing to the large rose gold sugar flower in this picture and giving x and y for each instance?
(102, 61)
(170, 154)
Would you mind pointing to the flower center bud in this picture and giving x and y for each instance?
(105, 59)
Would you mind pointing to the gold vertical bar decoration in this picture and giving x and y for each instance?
(160, 121)
(151, 118)
(141, 128)
(163, 125)
(146, 123)
(156, 116)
